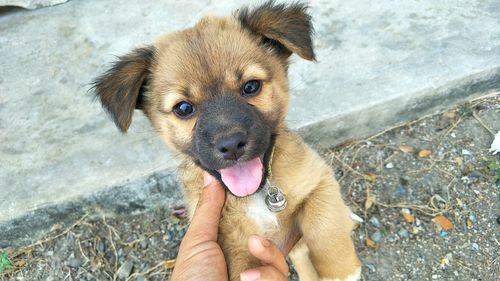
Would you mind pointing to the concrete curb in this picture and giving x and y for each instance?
(370, 120)
(160, 190)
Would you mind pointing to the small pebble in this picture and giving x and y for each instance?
(375, 222)
(376, 236)
(475, 247)
(357, 218)
(475, 174)
(169, 236)
(443, 233)
(392, 238)
(403, 233)
(472, 217)
(389, 165)
(401, 189)
(74, 262)
(146, 265)
(371, 267)
(415, 230)
(143, 243)
(100, 247)
(466, 152)
(405, 211)
(453, 135)
(125, 270)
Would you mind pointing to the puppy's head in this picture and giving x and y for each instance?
(218, 92)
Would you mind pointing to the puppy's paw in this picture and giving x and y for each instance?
(353, 277)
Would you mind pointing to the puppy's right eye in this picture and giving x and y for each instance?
(184, 109)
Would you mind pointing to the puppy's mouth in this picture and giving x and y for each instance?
(244, 178)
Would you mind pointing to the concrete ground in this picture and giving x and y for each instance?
(379, 63)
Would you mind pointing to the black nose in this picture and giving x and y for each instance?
(232, 146)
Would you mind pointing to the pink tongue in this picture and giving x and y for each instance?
(244, 178)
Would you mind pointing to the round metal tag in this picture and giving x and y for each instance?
(276, 202)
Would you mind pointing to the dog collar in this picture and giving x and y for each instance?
(275, 199)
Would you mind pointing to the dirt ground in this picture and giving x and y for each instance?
(427, 192)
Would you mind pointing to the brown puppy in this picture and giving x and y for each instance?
(217, 93)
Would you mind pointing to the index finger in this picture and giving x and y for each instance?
(205, 222)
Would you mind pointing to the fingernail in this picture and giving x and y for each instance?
(250, 275)
(266, 243)
(207, 179)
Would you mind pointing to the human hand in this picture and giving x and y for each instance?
(201, 258)
(274, 265)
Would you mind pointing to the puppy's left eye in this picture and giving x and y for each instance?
(251, 87)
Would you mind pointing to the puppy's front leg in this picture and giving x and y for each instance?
(238, 258)
(235, 227)
(326, 227)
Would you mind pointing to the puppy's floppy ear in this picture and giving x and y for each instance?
(121, 88)
(287, 27)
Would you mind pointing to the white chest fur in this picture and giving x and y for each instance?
(257, 210)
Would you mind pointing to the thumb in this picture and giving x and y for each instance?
(268, 253)
(206, 217)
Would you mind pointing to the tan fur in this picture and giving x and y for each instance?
(182, 73)
(315, 205)
(232, 55)
(303, 265)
